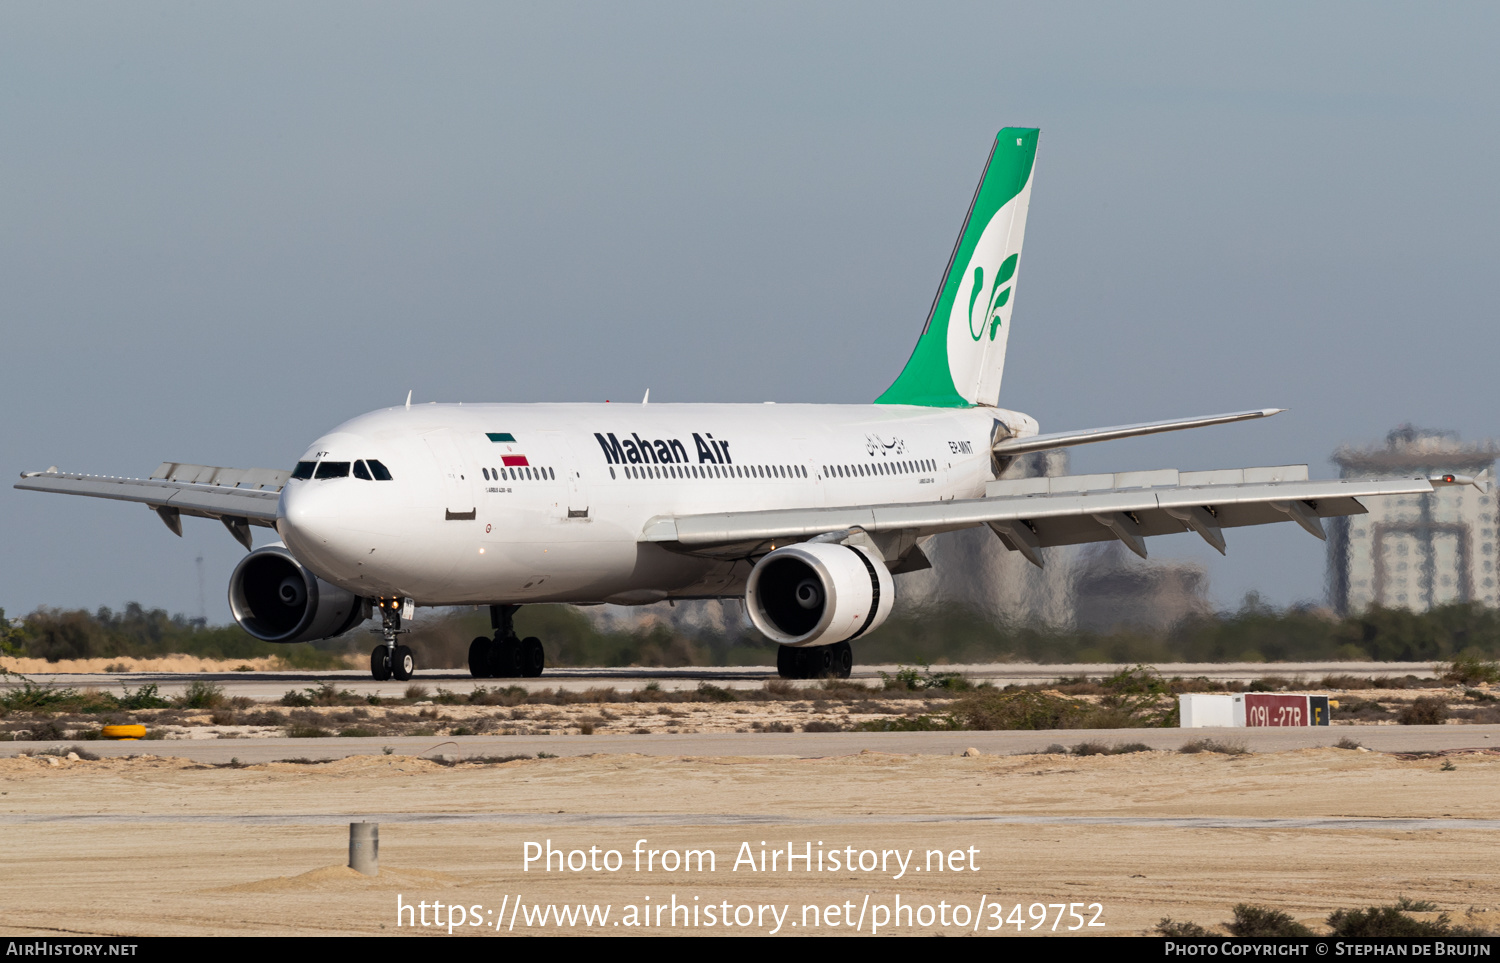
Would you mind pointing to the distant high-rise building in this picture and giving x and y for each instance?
(1416, 551)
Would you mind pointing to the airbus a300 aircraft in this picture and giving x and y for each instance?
(805, 511)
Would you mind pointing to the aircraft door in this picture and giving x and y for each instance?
(578, 489)
(457, 488)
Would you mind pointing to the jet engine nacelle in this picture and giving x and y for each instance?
(818, 593)
(276, 599)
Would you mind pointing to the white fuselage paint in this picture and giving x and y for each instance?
(575, 535)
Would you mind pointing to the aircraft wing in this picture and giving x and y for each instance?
(238, 497)
(1032, 513)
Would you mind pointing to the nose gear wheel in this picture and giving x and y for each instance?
(389, 660)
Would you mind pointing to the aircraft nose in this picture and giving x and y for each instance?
(306, 509)
(310, 516)
(343, 528)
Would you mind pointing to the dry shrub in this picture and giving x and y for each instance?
(1213, 745)
(1478, 715)
(1424, 711)
(1020, 710)
(1362, 710)
(1100, 749)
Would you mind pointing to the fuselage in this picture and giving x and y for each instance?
(488, 504)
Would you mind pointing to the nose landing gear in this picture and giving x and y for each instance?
(834, 661)
(505, 656)
(389, 660)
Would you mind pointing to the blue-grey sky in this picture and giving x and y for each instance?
(228, 227)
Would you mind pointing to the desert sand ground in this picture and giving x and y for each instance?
(156, 846)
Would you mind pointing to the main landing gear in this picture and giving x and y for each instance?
(505, 656)
(815, 661)
(389, 660)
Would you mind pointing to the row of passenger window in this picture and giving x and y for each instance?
(523, 473)
(711, 471)
(369, 469)
(880, 468)
(772, 471)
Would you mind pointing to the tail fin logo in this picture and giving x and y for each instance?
(999, 297)
(979, 314)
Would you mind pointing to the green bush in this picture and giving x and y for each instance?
(1252, 920)
(1469, 670)
(145, 697)
(921, 677)
(1387, 921)
(30, 697)
(1184, 929)
(201, 695)
(54, 634)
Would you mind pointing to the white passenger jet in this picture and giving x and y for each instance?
(805, 511)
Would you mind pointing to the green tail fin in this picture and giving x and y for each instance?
(960, 356)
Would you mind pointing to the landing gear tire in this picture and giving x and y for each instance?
(533, 658)
(404, 664)
(505, 658)
(815, 661)
(786, 662)
(380, 663)
(841, 659)
(799, 663)
(479, 657)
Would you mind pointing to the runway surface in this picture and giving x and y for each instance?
(272, 685)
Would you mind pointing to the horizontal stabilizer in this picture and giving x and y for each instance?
(1066, 439)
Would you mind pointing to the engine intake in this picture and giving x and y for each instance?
(818, 593)
(276, 599)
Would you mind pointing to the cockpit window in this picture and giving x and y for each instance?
(380, 472)
(304, 469)
(360, 471)
(333, 469)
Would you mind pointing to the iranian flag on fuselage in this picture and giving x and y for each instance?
(506, 438)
